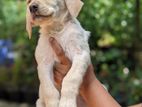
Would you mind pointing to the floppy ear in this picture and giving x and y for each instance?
(74, 6)
(29, 23)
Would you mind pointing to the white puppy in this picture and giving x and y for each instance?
(57, 18)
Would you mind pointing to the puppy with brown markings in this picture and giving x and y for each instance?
(57, 18)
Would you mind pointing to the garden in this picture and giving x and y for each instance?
(115, 43)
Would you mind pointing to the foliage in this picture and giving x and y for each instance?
(113, 28)
(115, 46)
(13, 27)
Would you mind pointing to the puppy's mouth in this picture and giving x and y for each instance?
(39, 16)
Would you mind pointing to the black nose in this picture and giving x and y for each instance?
(33, 8)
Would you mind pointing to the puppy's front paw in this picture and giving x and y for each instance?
(52, 103)
(67, 102)
(52, 99)
(40, 103)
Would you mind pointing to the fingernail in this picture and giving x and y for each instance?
(51, 39)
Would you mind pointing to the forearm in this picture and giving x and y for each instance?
(91, 89)
(96, 96)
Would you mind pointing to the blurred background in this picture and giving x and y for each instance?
(116, 50)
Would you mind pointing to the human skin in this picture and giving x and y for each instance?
(91, 89)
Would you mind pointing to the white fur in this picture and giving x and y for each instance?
(74, 41)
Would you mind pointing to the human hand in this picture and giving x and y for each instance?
(91, 89)
(61, 69)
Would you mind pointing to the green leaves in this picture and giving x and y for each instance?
(113, 35)
(115, 17)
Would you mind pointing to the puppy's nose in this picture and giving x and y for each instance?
(33, 8)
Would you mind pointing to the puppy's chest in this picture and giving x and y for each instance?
(72, 39)
(44, 52)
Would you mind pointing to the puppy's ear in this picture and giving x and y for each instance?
(29, 23)
(74, 6)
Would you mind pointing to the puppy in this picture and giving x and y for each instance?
(57, 18)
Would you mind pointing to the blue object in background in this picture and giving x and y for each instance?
(6, 53)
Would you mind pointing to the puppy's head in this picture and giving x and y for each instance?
(40, 12)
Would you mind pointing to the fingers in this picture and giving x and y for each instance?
(63, 69)
(56, 46)
(58, 79)
(59, 51)
(60, 71)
